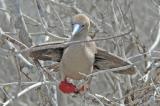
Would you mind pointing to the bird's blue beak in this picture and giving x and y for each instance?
(76, 29)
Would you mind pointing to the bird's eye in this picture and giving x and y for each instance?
(72, 24)
(82, 26)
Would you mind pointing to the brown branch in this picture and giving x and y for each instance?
(61, 44)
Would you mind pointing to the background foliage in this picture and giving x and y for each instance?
(37, 21)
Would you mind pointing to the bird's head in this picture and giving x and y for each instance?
(80, 24)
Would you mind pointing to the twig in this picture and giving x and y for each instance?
(43, 21)
(21, 25)
(53, 45)
(19, 55)
(155, 44)
(109, 70)
(106, 99)
(29, 18)
(59, 18)
(17, 64)
(120, 93)
(25, 91)
(93, 96)
(14, 41)
(16, 83)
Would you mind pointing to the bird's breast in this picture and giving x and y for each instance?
(77, 58)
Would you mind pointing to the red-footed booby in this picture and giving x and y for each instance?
(77, 58)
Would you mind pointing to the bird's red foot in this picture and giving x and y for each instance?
(67, 87)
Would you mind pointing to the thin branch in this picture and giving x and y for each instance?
(11, 39)
(120, 92)
(43, 21)
(59, 18)
(156, 42)
(25, 91)
(29, 18)
(17, 64)
(93, 96)
(20, 56)
(108, 70)
(53, 45)
(16, 83)
(21, 25)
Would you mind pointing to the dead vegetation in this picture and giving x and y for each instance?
(34, 33)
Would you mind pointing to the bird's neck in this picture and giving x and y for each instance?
(80, 36)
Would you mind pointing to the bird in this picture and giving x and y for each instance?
(77, 58)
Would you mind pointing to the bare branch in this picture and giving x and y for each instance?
(25, 91)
